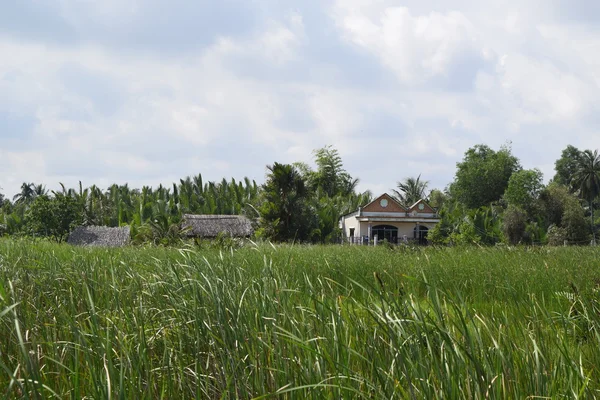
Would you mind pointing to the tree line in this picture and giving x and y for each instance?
(491, 200)
(296, 202)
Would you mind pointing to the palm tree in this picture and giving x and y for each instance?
(411, 190)
(284, 211)
(26, 195)
(587, 180)
(39, 190)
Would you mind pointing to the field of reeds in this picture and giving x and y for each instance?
(299, 322)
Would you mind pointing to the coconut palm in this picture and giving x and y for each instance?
(410, 190)
(587, 179)
(26, 195)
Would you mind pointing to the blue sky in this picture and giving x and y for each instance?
(146, 92)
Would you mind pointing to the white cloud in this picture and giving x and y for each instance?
(416, 48)
(399, 90)
(193, 102)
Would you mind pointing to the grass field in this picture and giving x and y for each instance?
(298, 322)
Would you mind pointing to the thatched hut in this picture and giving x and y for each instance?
(210, 226)
(101, 236)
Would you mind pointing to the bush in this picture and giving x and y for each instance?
(573, 220)
(514, 225)
(556, 235)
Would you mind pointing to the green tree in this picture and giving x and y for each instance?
(573, 221)
(567, 165)
(514, 224)
(284, 212)
(410, 190)
(563, 215)
(524, 189)
(26, 195)
(482, 177)
(587, 180)
(552, 201)
(330, 177)
(437, 198)
(53, 217)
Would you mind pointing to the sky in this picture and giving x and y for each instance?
(150, 91)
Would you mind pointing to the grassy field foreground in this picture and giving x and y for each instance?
(298, 322)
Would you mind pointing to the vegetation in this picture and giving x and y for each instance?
(491, 200)
(295, 203)
(483, 176)
(410, 190)
(298, 322)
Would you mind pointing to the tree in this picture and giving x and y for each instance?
(587, 180)
(514, 224)
(563, 215)
(573, 221)
(567, 165)
(552, 203)
(437, 198)
(26, 195)
(524, 188)
(53, 217)
(284, 213)
(410, 190)
(482, 177)
(330, 177)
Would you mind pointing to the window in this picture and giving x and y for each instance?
(387, 232)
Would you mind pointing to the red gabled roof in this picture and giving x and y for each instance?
(393, 205)
(427, 208)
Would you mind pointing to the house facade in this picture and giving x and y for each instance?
(385, 218)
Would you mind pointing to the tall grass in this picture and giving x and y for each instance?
(298, 322)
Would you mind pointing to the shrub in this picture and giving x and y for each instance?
(514, 225)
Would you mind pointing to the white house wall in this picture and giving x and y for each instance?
(404, 228)
(351, 222)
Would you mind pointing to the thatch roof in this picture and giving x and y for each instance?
(99, 236)
(209, 226)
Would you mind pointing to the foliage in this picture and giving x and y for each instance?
(29, 191)
(53, 217)
(330, 177)
(524, 188)
(285, 213)
(586, 179)
(514, 225)
(459, 226)
(567, 165)
(330, 193)
(573, 220)
(552, 202)
(437, 199)
(159, 231)
(410, 191)
(120, 205)
(556, 235)
(483, 175)
(292, 322)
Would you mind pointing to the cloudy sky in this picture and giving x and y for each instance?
(148, 91)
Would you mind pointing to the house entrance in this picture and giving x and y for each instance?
(420, 234)
(387, 232)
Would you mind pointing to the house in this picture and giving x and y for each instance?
(100, 236)
(210, 226)
(385, 218)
